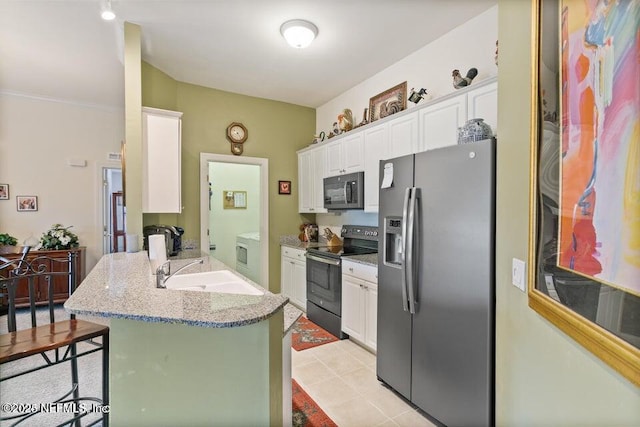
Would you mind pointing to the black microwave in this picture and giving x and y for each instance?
(344, 191)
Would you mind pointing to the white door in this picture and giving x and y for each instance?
(300, 283)
(352, 307)
(371, 316)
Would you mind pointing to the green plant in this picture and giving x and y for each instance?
(58, 237)
(7, 239)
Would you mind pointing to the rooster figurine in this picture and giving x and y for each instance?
(345, 120)
(460, 82)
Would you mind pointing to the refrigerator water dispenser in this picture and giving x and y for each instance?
(393, 241)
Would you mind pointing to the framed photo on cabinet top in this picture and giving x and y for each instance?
(389, 102)
(585, 201)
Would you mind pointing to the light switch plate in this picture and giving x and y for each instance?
(518, 273)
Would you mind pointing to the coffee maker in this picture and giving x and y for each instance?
(172, 237)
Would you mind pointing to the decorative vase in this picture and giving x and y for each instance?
(9, 249)
(474, 130)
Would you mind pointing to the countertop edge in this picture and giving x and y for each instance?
(121, 286)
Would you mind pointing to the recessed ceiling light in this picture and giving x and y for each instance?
(107, 13)
(299, 33)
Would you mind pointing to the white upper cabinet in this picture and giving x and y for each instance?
(161, 161)
(311, 171)
(318, 171)
(439, 123)
(377, 148)
(482, 103)
(431, 125)
(305, 182)
(403, 135)
(345, 155)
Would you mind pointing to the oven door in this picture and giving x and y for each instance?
(324, 282)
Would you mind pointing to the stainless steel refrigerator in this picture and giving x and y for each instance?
(436, 288)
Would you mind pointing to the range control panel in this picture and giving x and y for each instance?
(360, 232)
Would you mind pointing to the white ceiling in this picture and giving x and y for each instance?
(62, 49)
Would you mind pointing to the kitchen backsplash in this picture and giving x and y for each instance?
(335, 221)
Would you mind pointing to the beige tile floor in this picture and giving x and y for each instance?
(341, 378)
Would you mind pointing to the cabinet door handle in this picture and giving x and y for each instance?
(351, 269)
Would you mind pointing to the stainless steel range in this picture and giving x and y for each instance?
(324, 275)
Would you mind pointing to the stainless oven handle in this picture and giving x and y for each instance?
(405, 208)
(324, 260)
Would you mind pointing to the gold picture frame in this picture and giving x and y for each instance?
(389, 102)
(590, 311)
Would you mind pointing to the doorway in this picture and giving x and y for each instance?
(234, 213)
(113, 211)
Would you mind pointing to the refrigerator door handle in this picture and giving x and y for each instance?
(405, 214)
(411, 250)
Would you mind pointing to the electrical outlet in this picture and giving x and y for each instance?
(518, 273)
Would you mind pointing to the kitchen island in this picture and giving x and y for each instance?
(180, 356)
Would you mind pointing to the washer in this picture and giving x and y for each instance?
(248, 255)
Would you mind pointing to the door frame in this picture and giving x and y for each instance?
(263, 163)
(103, 202)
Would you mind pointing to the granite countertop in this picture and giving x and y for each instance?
(368, 259)
(293, 242)
(121, 286)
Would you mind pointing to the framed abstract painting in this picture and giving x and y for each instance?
(585, 177)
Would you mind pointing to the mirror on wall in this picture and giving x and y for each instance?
(585, 196)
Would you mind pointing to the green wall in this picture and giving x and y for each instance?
(276, 131)
(543, 377)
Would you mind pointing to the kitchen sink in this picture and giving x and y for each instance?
(222, 281)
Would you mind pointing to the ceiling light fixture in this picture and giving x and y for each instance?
(299, 33)
(107, 13)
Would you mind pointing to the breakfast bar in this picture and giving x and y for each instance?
(187, 354)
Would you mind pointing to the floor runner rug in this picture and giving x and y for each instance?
(306, 412)
(307, 334)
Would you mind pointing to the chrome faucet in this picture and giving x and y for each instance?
(163, 273)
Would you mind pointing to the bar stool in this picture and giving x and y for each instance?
(56, 341)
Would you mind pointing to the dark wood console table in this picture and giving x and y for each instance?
(60, 283)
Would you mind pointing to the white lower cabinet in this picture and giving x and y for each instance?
(293, 276)
(360, 302)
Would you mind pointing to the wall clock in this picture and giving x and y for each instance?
(237, 133)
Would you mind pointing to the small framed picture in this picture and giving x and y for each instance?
(27, 203)
(284, 187)
(4, 191)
